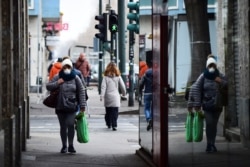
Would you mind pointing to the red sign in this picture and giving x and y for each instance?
(57, 26)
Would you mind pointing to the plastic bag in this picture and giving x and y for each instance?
(198, 124)
(82, 128)
(189, 127)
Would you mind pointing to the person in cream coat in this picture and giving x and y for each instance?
(112, 85)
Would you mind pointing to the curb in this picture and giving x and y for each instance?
(130, 112)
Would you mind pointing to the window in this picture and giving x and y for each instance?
(31, 4)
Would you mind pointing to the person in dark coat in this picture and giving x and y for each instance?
(71, 95)
(146, 83)
(203, 94)
(83, 65)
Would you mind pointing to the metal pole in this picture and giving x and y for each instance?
(101, 53)
(131, 65)
(117, 48)
(121, 38)
(112, 47)
(38, 51)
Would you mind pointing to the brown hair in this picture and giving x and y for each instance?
(112, 70)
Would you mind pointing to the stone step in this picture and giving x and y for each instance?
(233, 134)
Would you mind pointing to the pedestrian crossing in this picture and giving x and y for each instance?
(176, 127)
(50, 124)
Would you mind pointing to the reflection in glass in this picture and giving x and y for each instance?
(145, 135)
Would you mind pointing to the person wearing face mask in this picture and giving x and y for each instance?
(71, 96)
(202, 96)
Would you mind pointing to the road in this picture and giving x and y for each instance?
(126, 123)
(50, 124)
(176, 122)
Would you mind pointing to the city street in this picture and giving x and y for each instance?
(126, 123)
(49, 124)
(118, 148)
(105, 147)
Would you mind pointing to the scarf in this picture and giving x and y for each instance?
(211, 76)
(67, 77)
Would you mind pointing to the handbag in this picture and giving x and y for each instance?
(82, 128)
(198, 126)
(221, 98)
(51, 99)
(218, 101)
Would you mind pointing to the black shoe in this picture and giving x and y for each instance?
(211, 148)
(114, 129)
(149, 125)
(109, 127)
(71, 149)
(64, 149)
(214, 148)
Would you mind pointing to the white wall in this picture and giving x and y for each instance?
(36, 57)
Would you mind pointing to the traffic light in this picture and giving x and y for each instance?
(133, 16)
(102, 27)
(113, 22)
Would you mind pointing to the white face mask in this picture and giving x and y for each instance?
(211, 70)
(67, 71)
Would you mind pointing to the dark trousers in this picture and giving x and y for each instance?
(67, 127)
(211, 118)
(111, 116)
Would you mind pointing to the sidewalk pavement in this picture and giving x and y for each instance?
(106, 148)
(112, 149)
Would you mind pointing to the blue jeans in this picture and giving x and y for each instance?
(148, 106)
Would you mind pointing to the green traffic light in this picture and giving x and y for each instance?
(114, 28)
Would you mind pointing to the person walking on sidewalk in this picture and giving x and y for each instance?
(83, 65)
(146, 83)
(71, 94)
(110, 86)
(203, 94)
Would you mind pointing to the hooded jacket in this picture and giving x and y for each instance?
(55, 70)
(204, 89)
(143, 68)
(147, 82)
(69, 89)
(82, 65)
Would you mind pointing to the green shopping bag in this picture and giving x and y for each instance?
(189, 127)
(82, 128)
(198, 126)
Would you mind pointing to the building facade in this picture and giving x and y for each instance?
(44, 27)
(14, 100)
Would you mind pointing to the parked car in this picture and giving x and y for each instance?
(94, 73)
